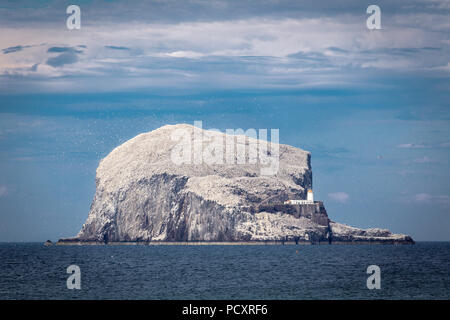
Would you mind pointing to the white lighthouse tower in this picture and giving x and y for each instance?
(309, 199)
(310, 196)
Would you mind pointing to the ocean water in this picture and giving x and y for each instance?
(33, 271)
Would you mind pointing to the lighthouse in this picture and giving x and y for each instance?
(309, 199)
(310, 196)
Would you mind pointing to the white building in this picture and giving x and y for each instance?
(309, 199)
(310, 195)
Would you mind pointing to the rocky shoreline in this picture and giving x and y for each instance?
(75, 242)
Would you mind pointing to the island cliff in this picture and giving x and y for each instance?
(143, 195)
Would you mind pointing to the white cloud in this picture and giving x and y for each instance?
(412, 146)
(3, 191)
(439, 4)
(341, 197)
(428, 198)
(422, 197)
(424, 160)
(292, 52)
(442, 145)
(246, 37)
(185, 54)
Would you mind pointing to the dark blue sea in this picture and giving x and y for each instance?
(33, 271)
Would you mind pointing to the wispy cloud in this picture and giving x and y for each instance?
(63, 49)
(3, 191)
(412, 146)
(428, 198)
(424, 160)
(117, 48)
(341, 197)
(185, 54)
(439, 145)
(14, 49)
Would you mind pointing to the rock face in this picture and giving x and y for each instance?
(144, 193)
(48, 243)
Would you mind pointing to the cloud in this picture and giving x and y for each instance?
(3, 191)
(14, 49)
(422, 197)
(440, 145)
(412, 146)
(336, 49)
(185, 54)
(406, 51)
(63, 49)
(327, 152)
(444, 145)
(175, 11)
(341, 197)
(424, 160)
(269, 45)
(68, 55)
(309, 56)
(439, 4)
(428, 198)
(117, 48)
(62, 59)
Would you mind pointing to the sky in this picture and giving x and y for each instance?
(372, 106)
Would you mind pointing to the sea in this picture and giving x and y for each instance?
(257, 272)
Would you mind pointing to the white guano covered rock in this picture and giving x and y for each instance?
(142, 194)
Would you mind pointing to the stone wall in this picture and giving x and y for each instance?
(316, 212)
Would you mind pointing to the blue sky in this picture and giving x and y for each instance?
(371, 105)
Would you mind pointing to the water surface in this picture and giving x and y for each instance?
(33, 271)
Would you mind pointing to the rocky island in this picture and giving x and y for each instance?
(155, 189)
